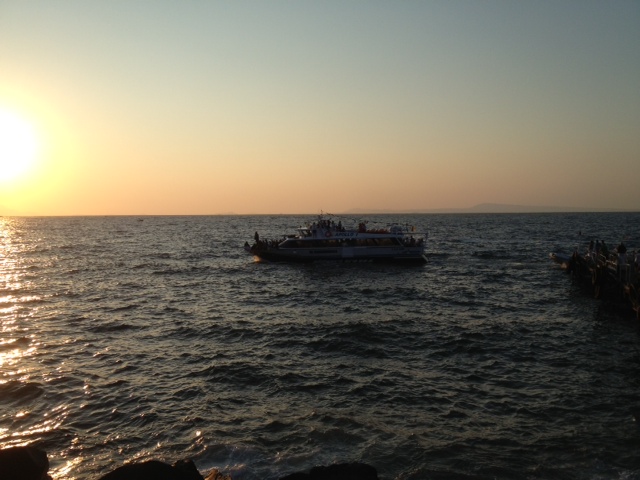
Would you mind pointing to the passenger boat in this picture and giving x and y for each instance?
(325, 239)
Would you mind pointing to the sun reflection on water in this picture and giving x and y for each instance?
(10, 279)
(17, 345)
(66, 468)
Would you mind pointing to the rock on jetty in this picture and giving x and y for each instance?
(30, 463)
(343, 471)
(153, 469)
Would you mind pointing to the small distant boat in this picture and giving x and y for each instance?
(325, 239)
(561, 258)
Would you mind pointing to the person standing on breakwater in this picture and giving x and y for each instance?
(622, 260)
(621, 248)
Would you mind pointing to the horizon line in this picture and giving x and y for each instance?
(478, 209)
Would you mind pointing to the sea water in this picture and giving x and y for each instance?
(125, 338)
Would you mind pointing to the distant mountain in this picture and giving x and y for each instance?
(488, 208)
(502, 208)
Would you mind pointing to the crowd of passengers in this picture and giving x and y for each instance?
(337, 227)
(261, 243)
(412, 242)
(328, 225)
(623, 262)
(619, 253)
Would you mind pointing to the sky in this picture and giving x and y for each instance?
(254, 107)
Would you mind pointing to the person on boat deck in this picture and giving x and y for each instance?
(256, 237)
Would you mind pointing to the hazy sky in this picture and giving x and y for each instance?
(204, 107)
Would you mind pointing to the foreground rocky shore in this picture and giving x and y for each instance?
(29, 463)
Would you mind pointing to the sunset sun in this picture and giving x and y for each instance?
(18, 146)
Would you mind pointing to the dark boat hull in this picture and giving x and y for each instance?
(388, 255)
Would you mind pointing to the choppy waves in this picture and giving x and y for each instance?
(125, 339)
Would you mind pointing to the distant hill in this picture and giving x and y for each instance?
(489, 208)
(501, 208)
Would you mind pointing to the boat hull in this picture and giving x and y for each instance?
(307, 255)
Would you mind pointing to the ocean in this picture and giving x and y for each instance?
(131, 338)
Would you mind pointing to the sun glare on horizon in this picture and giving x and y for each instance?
(18, 146)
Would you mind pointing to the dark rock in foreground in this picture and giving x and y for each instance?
(155, 470)
(29, 463)
(24, 463)
(342, 471)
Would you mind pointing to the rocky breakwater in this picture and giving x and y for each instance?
(30, 463)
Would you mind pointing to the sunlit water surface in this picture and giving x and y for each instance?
(128, 338)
